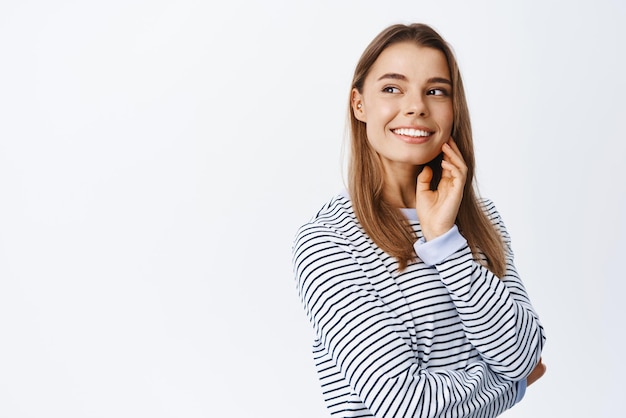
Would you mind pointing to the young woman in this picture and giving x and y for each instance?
(408, 277)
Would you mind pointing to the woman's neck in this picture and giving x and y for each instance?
(399, 187)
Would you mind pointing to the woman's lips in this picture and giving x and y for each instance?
(413, 135)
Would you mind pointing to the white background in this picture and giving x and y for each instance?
(156, 158)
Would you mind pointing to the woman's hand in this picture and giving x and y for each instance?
(437, 209)
(537, 372)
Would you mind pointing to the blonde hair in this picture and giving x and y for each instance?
(385, 224)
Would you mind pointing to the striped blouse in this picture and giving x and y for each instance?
(443, 338)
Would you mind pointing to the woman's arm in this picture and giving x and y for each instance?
(497, 315)
(496, 312)
(369, 343)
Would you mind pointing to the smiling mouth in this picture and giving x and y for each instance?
(413, 133)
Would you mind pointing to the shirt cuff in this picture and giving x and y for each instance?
(521, 390)
(437, 250)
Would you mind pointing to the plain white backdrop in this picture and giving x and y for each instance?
(157, 157)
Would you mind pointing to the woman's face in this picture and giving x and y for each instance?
(406, 104)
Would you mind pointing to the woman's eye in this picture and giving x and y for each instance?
(391, 89)
(437, 92)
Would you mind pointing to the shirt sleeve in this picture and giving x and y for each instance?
(521, 390)
(496, 313)
(365, 340)
(436, 250)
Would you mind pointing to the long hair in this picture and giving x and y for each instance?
(385, 224)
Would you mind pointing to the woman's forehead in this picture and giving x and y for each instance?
(409, 60)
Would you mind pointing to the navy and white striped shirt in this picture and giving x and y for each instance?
(443, 338)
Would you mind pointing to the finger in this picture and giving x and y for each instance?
(424, 178)
(536, 374)
(454, 146)
(451, 171)
(452, 154)
(452, 143)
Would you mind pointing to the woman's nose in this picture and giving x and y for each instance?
(415, 105)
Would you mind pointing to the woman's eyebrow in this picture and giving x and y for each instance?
(439, 80)
(397, 76)
(393, 76)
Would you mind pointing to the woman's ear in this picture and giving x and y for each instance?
(357, 105)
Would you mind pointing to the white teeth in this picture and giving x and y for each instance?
(411, 132)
